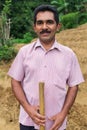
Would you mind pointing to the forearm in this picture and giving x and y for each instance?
(19, 94)
(69, 100)
(31, 110)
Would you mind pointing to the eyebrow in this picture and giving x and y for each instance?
(45, 20)
(48, 20)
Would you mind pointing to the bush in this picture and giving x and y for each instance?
(28, 37)
(82, 18)
(7, 53)
(70, 20)
(18, 40)
(9, 42)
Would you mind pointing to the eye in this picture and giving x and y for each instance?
(39, 22)
(50, 22)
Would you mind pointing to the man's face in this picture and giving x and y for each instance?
(45, 26)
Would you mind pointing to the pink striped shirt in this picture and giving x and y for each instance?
(56, 67)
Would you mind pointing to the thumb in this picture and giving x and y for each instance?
(38, 109)
(52, 118)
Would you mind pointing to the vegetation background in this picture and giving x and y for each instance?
(16, 29)
(16, 20)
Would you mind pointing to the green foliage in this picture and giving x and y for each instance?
(7, 53)
(61, 5)
(9, 42)
(27, 38)
(5, 26)
(82, 18)
(70, 20)
(22, 17)
(18, 40)
(68, 8)
(6, 8)
(0, 27)
(21, 13)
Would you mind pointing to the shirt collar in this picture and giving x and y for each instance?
(56, 45)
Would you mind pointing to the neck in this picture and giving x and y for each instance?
(47, 45)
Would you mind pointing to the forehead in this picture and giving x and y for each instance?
(45, 15)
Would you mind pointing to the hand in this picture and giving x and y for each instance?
(36, 117)
(58, 120)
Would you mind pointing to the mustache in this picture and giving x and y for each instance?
(45, 31)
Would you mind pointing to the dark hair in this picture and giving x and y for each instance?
(46, 8)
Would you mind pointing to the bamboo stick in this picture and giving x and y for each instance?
(41, 99)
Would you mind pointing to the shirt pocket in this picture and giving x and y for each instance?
(60, 84)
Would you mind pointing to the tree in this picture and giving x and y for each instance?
(65, 7)
(61, 5)
(5, 21)
(23, 23)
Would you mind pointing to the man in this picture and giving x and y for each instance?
(54, 64)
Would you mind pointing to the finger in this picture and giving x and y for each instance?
(37, 109)
(52, 118)
(54, 127)
(39, 121)
(41, 117)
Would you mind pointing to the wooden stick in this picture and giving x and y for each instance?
(41, 99)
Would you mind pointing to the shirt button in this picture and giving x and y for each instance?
(45, 66)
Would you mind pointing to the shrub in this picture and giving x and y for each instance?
(70, 20)
(28, 37)
(82, 18)
(7, 53)
(18, 40)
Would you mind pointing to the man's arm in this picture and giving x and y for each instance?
(21, 97)
(69, 100)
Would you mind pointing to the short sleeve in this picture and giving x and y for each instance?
(17, 70)
(75, 74)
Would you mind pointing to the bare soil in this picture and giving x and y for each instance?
(77, 117)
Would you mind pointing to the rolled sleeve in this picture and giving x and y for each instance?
(17, 70)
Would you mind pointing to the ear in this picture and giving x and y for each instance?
(59, 26)
(34, 27)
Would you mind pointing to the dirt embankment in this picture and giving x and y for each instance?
(9, 107)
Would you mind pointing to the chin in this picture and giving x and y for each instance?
(47, 40)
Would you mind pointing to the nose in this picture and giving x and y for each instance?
(44, 26)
